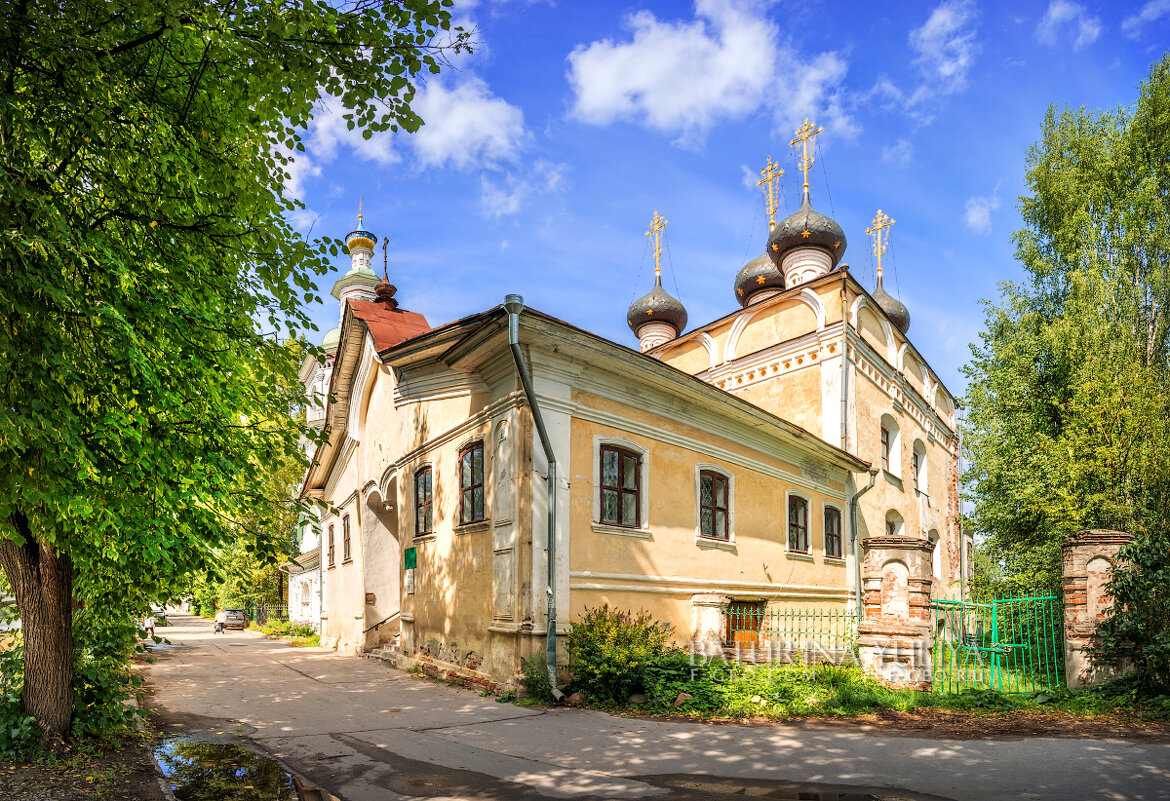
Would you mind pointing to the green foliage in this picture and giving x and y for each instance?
(674, 673)
(19, 735)
(610, 650)
(536, 680)
(1137, 632)
(104, 682)
(148, 270)
(302, 630)
(1068, 417)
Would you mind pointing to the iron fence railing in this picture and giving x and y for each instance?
(758, 632)
(1012, 645)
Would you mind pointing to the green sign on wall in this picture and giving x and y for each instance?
(410, 558)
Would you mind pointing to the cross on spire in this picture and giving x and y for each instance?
(771, 173)
(803, 134)
(656, 226)
(880, 242)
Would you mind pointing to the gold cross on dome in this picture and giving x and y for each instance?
(880, 242)
(803, 134)
(656, 226)
(771, 173)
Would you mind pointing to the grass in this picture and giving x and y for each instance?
(723, 690)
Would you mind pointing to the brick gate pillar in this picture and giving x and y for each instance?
(894, 637)
(1087, 559)
(708, 624)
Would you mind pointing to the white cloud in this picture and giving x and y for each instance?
(1067, 19)
(1152, 11)
(946, 48)
(901, 152)
(497, 201)
(978, 213)
(683, 77)
(466, 126)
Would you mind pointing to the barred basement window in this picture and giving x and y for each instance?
(713, 505)
(620, 487)
(471, 486)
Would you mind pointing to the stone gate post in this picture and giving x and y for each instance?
(707, 624)
(1087, 560)
(894, 637)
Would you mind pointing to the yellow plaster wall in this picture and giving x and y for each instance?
(871, 330)
(795, 396)
(774, 324)
(668, 547)
(690, 357)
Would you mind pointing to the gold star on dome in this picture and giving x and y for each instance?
(760, 280)
(806, 233)
(836, 245)
(740, 291)
(650, 312)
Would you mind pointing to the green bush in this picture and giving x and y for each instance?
(1138, 630)
(671, 674)
(610, 650)
(536, 679)
(301, 630)
(277, 627)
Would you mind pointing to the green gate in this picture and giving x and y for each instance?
(1013, 645)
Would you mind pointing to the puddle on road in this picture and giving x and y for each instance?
(219, 772)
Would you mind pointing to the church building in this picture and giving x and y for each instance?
(741, 461)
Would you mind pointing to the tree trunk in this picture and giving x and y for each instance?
(42, 580)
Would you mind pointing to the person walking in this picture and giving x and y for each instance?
(220, 621)
(148, 624)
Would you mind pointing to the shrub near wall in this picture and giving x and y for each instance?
(610, 651)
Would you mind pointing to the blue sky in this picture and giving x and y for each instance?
(548, 149)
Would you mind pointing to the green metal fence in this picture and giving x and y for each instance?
(1013, 645)
(756, 632)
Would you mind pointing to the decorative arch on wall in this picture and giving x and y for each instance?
(736, 332)
(893, 464)
(814, 302)
(921, 474)
(712, 349)
(895, 525)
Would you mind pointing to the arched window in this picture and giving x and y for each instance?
(424, 513)
(919, 466)
(797, 524)
(935, 558)
(891, 446)
(471, 484)
(834, 541)
(894, 524)
(714, 504)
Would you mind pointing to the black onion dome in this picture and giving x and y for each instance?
(657, 306)
(805, 227)
(759, 273)
(896, 310)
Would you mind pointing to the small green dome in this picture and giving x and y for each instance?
(332, 337)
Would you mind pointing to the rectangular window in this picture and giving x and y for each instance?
(345, 539)
(713, 505)
(424, 519)
(471, 483)
(331, 551)
(885, 449)
(916, 469)
(620, 487)
(798, 525)
(833, 539)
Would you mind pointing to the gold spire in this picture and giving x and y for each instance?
(359, 211)
(803, 134)
(656, 226)
(880, 241)
(771, 173)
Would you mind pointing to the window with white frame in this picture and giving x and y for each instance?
(798, 507)
(714, 504)
(620, 483)
(919, 465)
(834, 537)
(891, 446)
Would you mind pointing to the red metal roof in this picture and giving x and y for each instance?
(389, 327)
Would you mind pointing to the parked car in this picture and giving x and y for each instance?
(236, 619)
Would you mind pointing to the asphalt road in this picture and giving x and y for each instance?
(367, 732)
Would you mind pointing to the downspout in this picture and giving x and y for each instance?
(514, 304)
(844, 367)
(853, 536)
